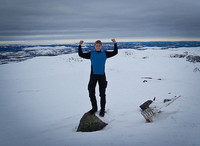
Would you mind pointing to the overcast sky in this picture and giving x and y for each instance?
(99, 19)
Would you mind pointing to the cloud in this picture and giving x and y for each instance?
(91, 18)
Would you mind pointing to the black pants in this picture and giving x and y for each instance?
(101, 79)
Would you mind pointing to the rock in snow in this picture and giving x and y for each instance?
(90, 122)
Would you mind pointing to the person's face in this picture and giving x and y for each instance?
(98, 47)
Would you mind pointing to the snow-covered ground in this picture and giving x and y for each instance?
(42, 100)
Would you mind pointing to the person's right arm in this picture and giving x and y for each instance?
(80, 52)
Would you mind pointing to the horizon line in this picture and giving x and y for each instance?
(69, 41)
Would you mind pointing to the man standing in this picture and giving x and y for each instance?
(98, 60)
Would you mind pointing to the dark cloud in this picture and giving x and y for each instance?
(76, 19)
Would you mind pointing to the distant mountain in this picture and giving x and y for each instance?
(16, 53)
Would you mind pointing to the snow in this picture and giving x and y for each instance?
(48, 50)
(42, 100)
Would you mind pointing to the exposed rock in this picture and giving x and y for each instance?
(128, 53)
(145, 57)
(193, 59)
(144, 81)
(166, 100)
(146, 77)
(190, 58)
(90, 122)
(178, 55)
(196, 69)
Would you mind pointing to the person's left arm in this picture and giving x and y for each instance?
(114, 52)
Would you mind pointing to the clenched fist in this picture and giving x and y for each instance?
(81, 42)
(114, 41)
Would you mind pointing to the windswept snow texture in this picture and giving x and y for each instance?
(42, 100)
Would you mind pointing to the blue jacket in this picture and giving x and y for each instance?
(98, 59)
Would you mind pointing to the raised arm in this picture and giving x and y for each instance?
(114, 52)
(80, 52)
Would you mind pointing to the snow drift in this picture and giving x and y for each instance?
(42, 100)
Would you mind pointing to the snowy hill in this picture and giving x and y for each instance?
(27, 50)
(42, 100)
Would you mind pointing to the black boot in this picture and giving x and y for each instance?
(93, 111)
(103, 104)
(102, 112)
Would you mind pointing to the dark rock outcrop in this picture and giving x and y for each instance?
(190, 58)
(193, 59)
(178, 55)
(90, 122)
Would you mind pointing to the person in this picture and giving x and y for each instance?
(98, 60)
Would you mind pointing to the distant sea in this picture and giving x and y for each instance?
(20, 52)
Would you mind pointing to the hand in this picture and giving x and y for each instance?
(114, 41)
(81, 42)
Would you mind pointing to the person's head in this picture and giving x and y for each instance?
(98, 45)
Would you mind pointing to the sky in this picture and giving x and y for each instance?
(140, 20)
